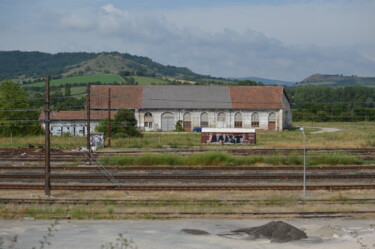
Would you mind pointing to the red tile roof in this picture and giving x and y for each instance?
(77, 115)
(256, 97)
(126, 97)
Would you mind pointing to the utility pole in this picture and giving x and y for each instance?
(109, 118)
(88, 123)
(304, 161)
(47, 158)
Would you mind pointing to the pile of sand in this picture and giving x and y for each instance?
(327, 232)
(276, 231)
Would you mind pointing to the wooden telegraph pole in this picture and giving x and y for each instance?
(47, 159)
(88, 122)
(109, 118)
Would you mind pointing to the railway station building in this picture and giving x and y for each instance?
(160, 107)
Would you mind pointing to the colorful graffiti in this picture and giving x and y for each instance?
(228, 138)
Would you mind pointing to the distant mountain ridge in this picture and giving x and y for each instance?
(337, 80)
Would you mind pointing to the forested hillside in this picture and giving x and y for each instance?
(31, 66)
(322, 103)
(16, 64)
(337, 80)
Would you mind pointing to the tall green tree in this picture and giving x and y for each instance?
(67, 88)
(16, 117)
(124, 125)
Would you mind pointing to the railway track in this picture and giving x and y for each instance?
(119, 187)
(191, 168)
(226, 215)
(187, 177)
(35, 155)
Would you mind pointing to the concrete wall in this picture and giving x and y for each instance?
(286, 113)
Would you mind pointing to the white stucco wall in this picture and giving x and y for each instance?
(212, 118)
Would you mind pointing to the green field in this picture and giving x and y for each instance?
(350, 135)
(77, 90)
(102, 78)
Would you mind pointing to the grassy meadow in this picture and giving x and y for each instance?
(350, 135)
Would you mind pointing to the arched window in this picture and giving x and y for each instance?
(204, 119)
(221, 120)
(167, 121)
(255, 119)
(238, 120)
(149, 119)
(187, 121)
(272, 117)
(272, 121)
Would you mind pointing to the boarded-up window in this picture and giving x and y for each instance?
(221, 117)
(272, 117)
(167, 122)
(238, 120)
(272, 121)
(221, 120)
(149, 119)
(187, 121)
(204, 119)
(255, 119)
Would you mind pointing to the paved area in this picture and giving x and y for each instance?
(323, 129)
(330, 233)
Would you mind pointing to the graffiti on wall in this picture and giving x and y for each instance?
(227, 138)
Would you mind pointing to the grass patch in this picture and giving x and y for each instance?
(141, 80)
(216, 158)
(335, 159)
(352, 135)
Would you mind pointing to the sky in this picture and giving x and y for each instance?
(285, 40)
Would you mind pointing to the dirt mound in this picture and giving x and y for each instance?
(276, 231)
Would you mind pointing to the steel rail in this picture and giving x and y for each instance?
(183, 188)
(194, 168)
(188, 177)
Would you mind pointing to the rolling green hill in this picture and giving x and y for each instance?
(29, 67)
(337, 80)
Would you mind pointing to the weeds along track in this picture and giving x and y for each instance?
(167, 202)
(189, 215)
(227, 177)
(30, 155)
(173, 209)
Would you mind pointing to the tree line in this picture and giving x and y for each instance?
(323, 103)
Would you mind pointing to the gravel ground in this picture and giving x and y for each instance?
(322, 234)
